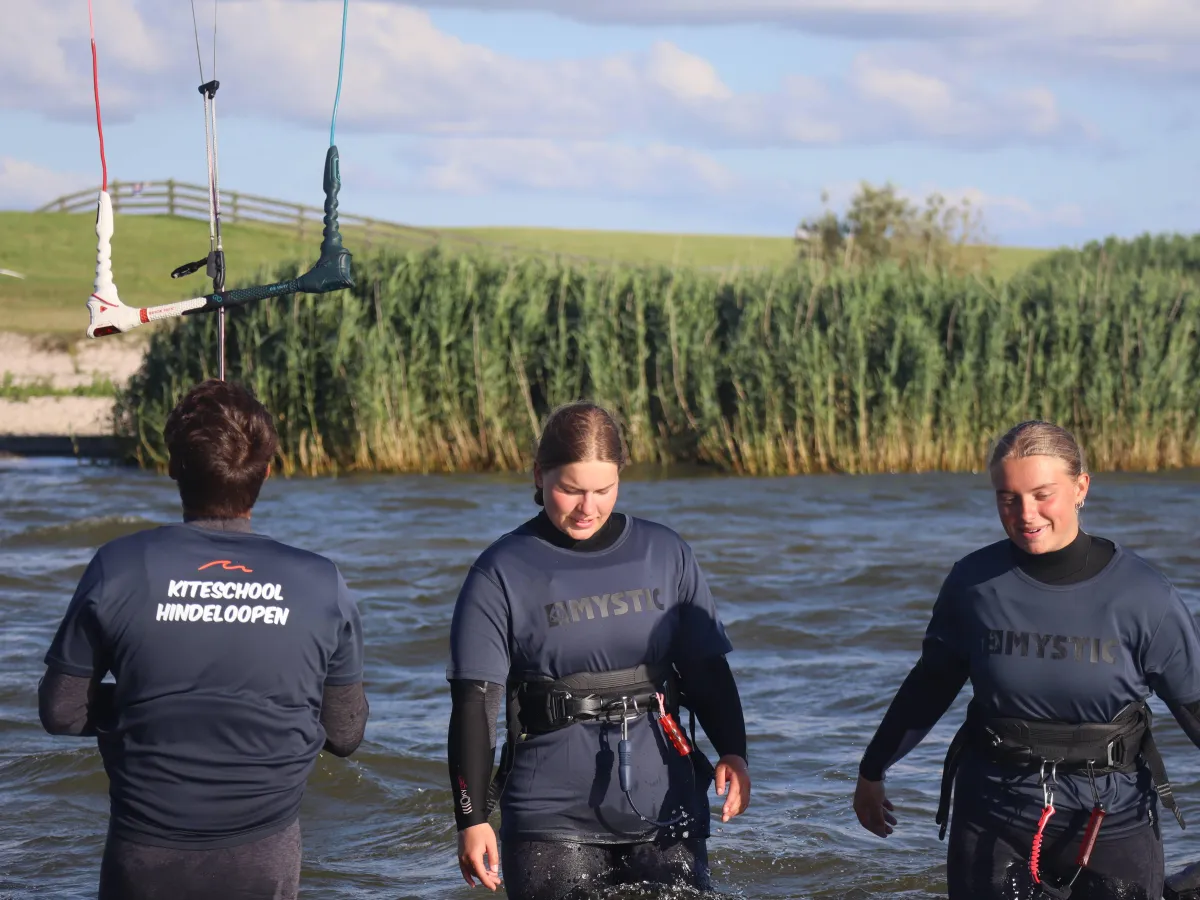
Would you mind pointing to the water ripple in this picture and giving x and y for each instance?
(825, 584)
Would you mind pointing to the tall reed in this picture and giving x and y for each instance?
(449, 363)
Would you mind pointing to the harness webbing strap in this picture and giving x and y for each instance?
(531, 703)
(1115, 746)
(546, 705)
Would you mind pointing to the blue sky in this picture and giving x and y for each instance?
(1063, 121)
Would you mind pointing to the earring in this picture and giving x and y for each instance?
(1079, 505)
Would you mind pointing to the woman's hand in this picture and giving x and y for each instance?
(873, 808)
(733, 777)
(474, 844)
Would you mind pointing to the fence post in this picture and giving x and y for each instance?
(233, 206)
(170, 196)
(116, 195)
(300, 215)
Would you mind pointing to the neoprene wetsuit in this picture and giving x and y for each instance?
(548, 866)
(988, 849)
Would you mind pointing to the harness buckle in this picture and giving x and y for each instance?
(1048, 784)
(625, 716)
(556, 707)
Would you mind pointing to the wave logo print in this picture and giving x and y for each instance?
(227, 565)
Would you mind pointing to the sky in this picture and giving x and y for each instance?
(1062, 121)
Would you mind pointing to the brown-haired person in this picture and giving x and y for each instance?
(1064, 636)
(236, 659)
(581, 619)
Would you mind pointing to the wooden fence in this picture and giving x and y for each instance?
(178, 198)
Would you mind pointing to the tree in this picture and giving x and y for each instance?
(880, 224)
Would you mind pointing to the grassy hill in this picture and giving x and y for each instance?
(56, 254)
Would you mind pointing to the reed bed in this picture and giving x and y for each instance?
(439, 363)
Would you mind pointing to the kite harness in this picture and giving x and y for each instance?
(1050, 747)
(542, 705)
(331, 272)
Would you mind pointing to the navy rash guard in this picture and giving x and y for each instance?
(530, 608)
(1076, 652)
(221, 644)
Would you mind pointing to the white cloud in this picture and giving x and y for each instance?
(583, 167)
(1144, 35)
(1007, 211)
(26, 185)
(908, 103)
(46, 63)
(405, 76)
(684, 76)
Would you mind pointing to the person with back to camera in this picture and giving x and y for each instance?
(237, 659)
(1055, 775)
(590, 624)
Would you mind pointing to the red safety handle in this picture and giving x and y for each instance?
(1089, 837)
(674, 734)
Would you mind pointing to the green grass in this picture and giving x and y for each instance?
(700, 250)
(57, 254)
(449, 362)
(9, 390)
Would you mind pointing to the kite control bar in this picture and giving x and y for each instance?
(332, 272)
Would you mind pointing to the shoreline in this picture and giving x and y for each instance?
(44, 373)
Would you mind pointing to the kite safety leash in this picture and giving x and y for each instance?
(1086, 845)
(1035, 853)
(331, 272)
(625, 757)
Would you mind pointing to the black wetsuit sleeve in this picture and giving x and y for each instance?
(471, 747)
(344, 713)
(1188, 717)
(713, 696)
(74, 704)
(922, 700)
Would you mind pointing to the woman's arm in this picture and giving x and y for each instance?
(1171, 664)
(471, 747)
(479, 664)
(713, 696)
(927, 692)
(923, 698)
(1188, 717)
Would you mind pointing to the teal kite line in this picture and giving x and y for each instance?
(341, 66)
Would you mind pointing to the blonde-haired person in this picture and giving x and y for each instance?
(590, 624)
(1063, 635)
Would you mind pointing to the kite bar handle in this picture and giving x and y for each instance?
(331, 242)
(332, 271)
(238, 296)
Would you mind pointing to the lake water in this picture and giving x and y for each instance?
(825, 584)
